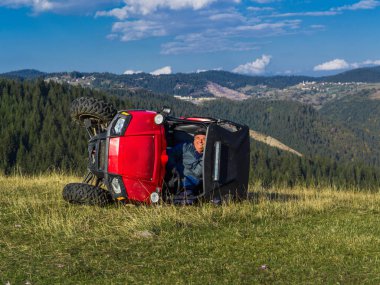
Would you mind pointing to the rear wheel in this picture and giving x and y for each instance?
(85, 194)
(92, 113)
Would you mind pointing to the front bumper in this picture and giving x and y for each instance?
(97, 155)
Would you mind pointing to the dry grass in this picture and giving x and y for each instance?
(297, 234)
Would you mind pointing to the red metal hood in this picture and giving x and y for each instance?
(132, 156)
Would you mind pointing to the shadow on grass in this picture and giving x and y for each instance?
(271, 196)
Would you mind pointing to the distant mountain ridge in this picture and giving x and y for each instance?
(23, 74)
(228, 79)
(210, 85)
(366, 74)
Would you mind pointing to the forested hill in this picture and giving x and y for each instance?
(192, 83)
(38, 136)
(299, 126)
(359, 112)
(166, 83)
(367, 74)
(302, 128)
(23, 74)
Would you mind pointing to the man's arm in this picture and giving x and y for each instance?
(197, 167)
(193, 165)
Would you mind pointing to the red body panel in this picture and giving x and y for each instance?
(139, 156)
(132, 156)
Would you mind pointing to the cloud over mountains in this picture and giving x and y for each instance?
(339, 64)
(255, 67)
(163, 70)
(335, 64)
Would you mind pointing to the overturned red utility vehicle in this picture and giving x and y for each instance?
(127, 155)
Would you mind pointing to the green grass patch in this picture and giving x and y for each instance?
(280, 236)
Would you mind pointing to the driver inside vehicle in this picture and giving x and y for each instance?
(186, 161)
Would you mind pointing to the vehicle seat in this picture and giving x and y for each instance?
(182, 137)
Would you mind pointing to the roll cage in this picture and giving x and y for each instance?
(226, 155)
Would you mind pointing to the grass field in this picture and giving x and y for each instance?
(280, 236)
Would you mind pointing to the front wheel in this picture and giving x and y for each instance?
(85, 194)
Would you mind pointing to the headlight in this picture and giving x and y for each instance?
(154, 197)
(119, 126)
(159, 119)
(116, 186)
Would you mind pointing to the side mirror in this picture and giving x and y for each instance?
(161, 116)
(166, 110)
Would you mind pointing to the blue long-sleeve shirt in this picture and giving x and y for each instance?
(187, 161)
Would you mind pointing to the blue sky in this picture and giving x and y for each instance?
(256, 37)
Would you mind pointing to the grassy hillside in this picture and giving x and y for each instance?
(317, 236)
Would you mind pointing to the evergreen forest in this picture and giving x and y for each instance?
(38, 136)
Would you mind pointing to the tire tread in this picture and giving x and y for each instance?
(86, 194)
(92, 107)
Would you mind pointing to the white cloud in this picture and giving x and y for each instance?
(136, 30)
(226, 17)
(209, 41)
(274, 27)
(241, 37)
(130, 71)
(257, 66)
(194, 32)
(120, 13)
(318, 27)
(355, 65)
(361, 5)
(138, 7)
(43, 5)
(205, 70)
(335, 64)
(371, 62)
(192, 27)
(259, 9)
(163, 70)
(264, 1)
(37, 5)
(190, 31)
(308, 14)
(338, 64)
(72, 6)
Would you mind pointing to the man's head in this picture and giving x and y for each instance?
(200, 139)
